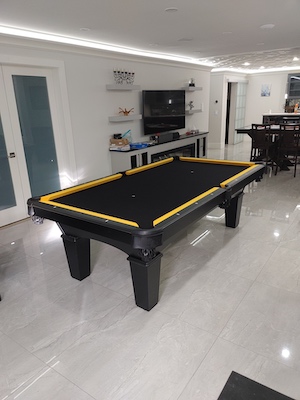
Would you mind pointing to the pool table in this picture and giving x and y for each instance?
(139, 211)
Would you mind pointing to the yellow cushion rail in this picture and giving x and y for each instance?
(49, 199)
(183, 206)
(212, 161)
(224, 183)
(78, 188)
(91, 213)
(149, 166)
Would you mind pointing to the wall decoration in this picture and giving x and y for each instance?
(191, 105)
(265, 90)
(121, 76)
(124, 111)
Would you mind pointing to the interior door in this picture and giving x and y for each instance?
(12, 207)
(29, 163)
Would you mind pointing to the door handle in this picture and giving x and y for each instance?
(12, 155)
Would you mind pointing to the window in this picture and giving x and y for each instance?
(293, 86)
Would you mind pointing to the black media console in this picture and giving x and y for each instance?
(186, 145)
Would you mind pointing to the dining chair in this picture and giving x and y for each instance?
(261, 144)
(288, 145)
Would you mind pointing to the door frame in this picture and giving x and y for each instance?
(9, 215)
(61, 121)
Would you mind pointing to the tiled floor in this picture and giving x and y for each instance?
(229, 303)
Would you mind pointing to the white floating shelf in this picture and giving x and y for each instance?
(190, 112)
(124, 118)
(122, 87)
(191, 88)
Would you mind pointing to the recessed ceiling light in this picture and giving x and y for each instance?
(267, 26)
(185, 40)
(295, 59)
(246, 63)
(171, 9)
(262, 67)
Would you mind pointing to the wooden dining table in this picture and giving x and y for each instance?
(275, 131)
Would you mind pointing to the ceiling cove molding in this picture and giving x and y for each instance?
(154, 58)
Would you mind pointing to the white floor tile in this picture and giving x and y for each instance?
(268, 323)
(229, 301)
(135, 355)
(225, 357)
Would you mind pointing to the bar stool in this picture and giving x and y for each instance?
(261, 144)
(288, 145)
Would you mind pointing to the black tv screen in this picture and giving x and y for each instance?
(163, 110)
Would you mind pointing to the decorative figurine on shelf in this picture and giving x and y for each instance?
(192, 82)
(125, 112)
(121, 76)
(191, 105)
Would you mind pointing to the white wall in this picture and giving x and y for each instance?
(217, 116)
(87, 72)
(258, 105)
(218, 105)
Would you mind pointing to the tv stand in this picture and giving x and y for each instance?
(186, 145)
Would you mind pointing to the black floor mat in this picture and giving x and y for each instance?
(238, 387)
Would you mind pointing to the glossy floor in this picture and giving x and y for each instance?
(229, 301)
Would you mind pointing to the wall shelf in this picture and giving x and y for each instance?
(124, 118)
(191, 88)
(190, 112)
(122, 87)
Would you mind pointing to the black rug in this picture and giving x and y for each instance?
(238, 387)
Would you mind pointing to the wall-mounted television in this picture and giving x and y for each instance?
(163, 111)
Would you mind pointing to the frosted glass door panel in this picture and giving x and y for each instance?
(7, 194)
(240, 110)
(37, 133)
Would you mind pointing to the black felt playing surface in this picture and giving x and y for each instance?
(238, 387)
(147, 195)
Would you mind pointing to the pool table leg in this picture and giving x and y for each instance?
(145, 278)
(233, 212)
(78, 255)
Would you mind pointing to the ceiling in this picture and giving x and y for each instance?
(218, 33)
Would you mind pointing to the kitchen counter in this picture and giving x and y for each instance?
(281, 118)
